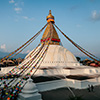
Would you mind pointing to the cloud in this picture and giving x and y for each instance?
(11, 1)
(18, 10)
(19, 4)
(25, 52)
(95, 16)
(3, 47)
(78, 25)
(27, 18)
(16, 4)
(78, 54)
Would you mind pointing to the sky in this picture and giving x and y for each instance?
(78, 19)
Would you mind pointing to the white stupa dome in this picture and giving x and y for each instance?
(58, 56)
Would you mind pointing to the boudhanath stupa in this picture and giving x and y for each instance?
(52, 66)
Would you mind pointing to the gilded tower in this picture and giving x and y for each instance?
(55, 38)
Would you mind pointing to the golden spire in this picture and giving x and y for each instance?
(55, 38)
(50, 17)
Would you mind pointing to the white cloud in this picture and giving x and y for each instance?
(27, 18)
(19, 4)
(95, 15)
(78, 25)
(18, 10)
(3, 47)
(78, 54)
(25, 52)
(16, 4)
(11, 1)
